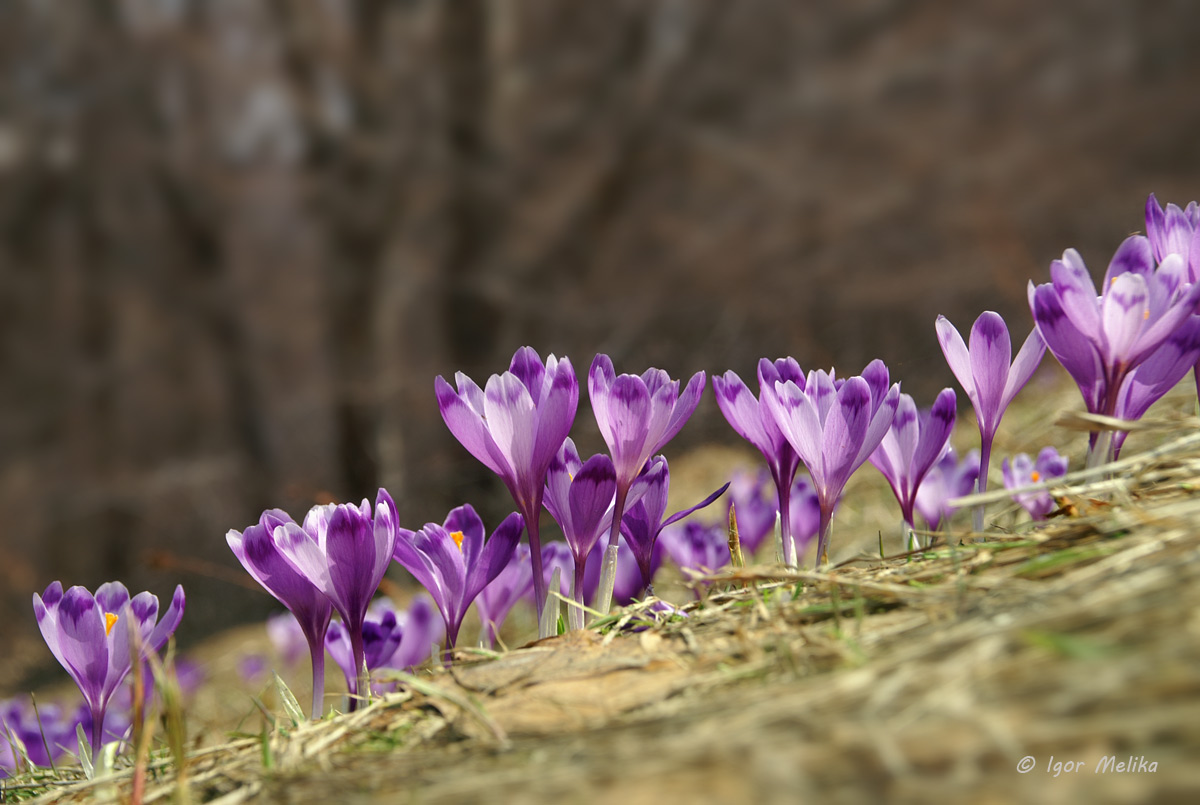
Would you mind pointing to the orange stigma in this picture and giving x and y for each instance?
(457, 536)
(1145, 315)
(1036, 476)
(109, 620)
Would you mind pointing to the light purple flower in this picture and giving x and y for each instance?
(1157, 375)
(391, 639)
(498, 598)
(637, 416)
(1170, 231)
(19, 722)
(344, 551)
(1024, 471)
(751, 417)
(454, 562)
(287, 637)
(580, 496)
(257, 548)
(990, 375)
(1175, 231)
(90, 636)
(646, 518)
(698, 547)
(754, 500)
(834, 427)
(1100, 338)
(515, 427)
(912, 445)
(948, 479)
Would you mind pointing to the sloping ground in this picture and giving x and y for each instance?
(923, 678)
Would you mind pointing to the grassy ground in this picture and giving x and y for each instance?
(928, 677)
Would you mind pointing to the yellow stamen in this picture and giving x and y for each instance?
(1036, 476)
(109, 620)
(457, 536)
(1145, 315)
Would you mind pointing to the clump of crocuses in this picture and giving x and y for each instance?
(834, 426)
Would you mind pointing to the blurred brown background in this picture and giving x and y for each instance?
(239, 238)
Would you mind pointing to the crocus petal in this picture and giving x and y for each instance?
(957, 356)
(1134, 255)
(797, 418)
(624, 423)
(741, 410)
(689, 398)
(1124, 310)
(527, 367)
(470, 429)
(83, 642)
(1029, 357)
(112, 596)
(494, 557)
(991, 356)
(1077, 293)
(935, 432)
(556, 413)
(466, 521)
(170, 620)
(591, 496)
(844, 431)
(512, 420)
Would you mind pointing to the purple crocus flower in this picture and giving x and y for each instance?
(258, 551)
(579, 496)
(644, 521)
(20, 723)
(1170, 231)
(1100, 338)
(637, 416)
(515, 427)
(90, 637)
(287, 637)
(1024, 471)
(391, 638)
(1157, 375)
(497, 599)
(698, 547)
(454, 562)
(948, 479)
(911, 446)
(557, 555)
(990, 376)
(344, 552)
(834, 428)
(805, 513)
(752, 419)
(1175, 231)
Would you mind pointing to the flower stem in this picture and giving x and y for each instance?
(548, 617)
(608, 579)
(575, 613)
(985, 463)
(316, 653)
(785, 525)
(608, 574)
(362, 681)
(826, 527)
(530, 515)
